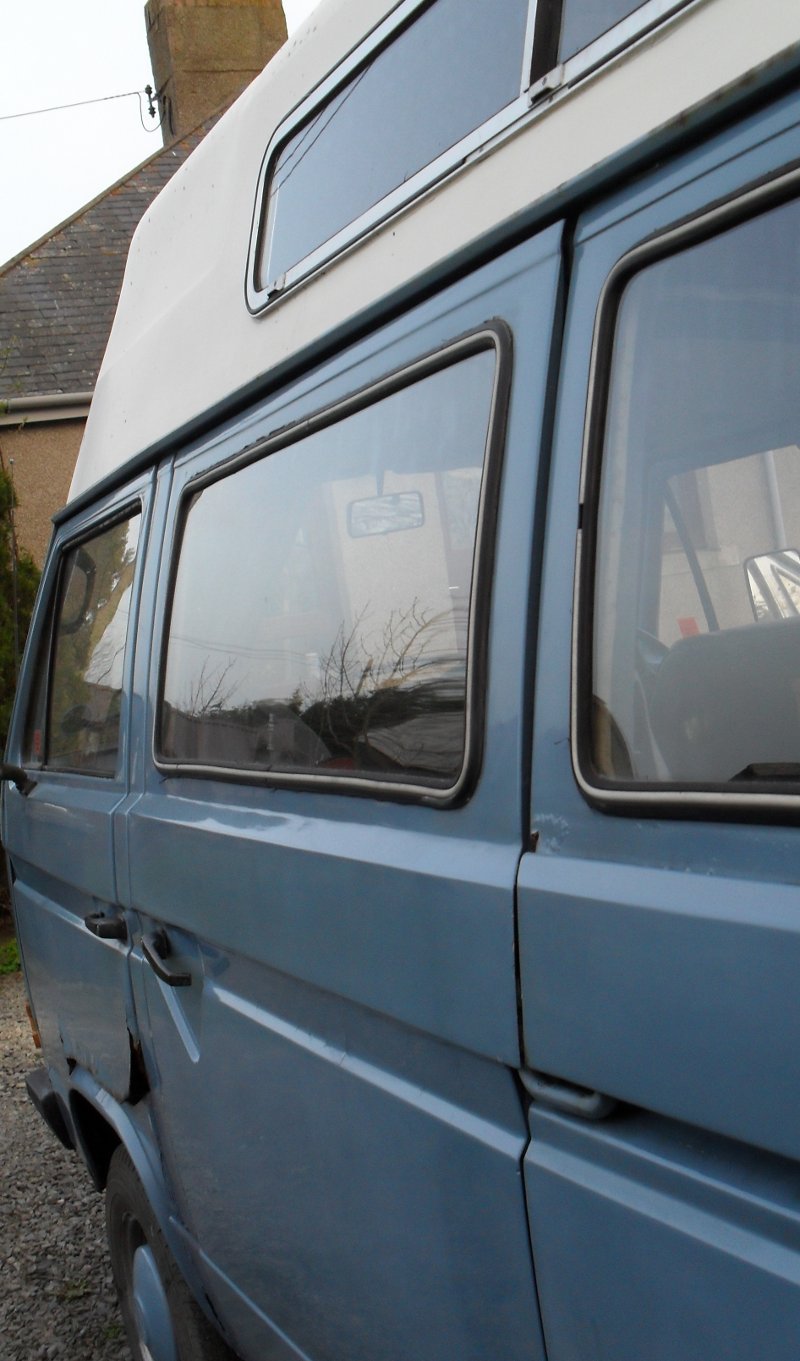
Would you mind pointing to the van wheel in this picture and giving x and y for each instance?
(162, 1320)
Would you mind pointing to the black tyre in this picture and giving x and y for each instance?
(162, 1320)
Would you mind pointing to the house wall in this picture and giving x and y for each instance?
(44, 459)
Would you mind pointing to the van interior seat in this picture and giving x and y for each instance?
(729, 700)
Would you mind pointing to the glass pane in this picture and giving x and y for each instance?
(90, 638)
(697, 588)
(437, 80)
(584, 20)
(317, 623)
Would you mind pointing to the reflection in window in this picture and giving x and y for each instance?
(696, 651)
(582, 22)
(437, 80)
(82, 729)
(320, 611)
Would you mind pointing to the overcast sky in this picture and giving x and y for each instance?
(60, 52)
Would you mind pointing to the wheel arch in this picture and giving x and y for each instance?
(95, 1136)
(101, 1124)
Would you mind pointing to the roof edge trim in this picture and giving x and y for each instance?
(55, 406)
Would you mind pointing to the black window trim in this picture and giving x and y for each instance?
(762, 799)
(494, 335)
(107, 519)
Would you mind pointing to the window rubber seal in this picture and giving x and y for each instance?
(494, 335)
(762, 801)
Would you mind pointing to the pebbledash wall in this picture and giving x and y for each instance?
(40, 458)
(58, 296)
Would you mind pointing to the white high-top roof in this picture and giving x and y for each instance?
(183, 339)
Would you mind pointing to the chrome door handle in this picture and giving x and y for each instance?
(156, 949)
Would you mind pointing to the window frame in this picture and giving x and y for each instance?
(542, 79)
(46, 649)
(493, 335)
(762, 799)
(647, 15)
(259, 295)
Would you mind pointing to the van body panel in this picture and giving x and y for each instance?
(361, 952)
(657, 952)
(89, 1025)
(434, 873)
(444, 954)
(622, 1208)
(79, 981)
(364, 1128)
(666, 947)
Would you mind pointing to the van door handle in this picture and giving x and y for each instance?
(566, 1097)
(107, 928)
(156, 949)
(18, 776)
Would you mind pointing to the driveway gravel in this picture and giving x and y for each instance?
(56, 1294)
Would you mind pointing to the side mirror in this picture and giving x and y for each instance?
(773, 583)
(385, 514)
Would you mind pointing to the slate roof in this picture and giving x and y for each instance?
(57, 298)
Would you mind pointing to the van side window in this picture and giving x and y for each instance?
(74, 720)
(437, 79)
(581, 23)
(320, 619)
(696, 596)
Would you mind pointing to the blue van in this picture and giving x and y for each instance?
(402, 796)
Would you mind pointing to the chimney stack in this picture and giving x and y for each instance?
(204, 53)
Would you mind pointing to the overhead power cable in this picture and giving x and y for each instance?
(81, 103)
